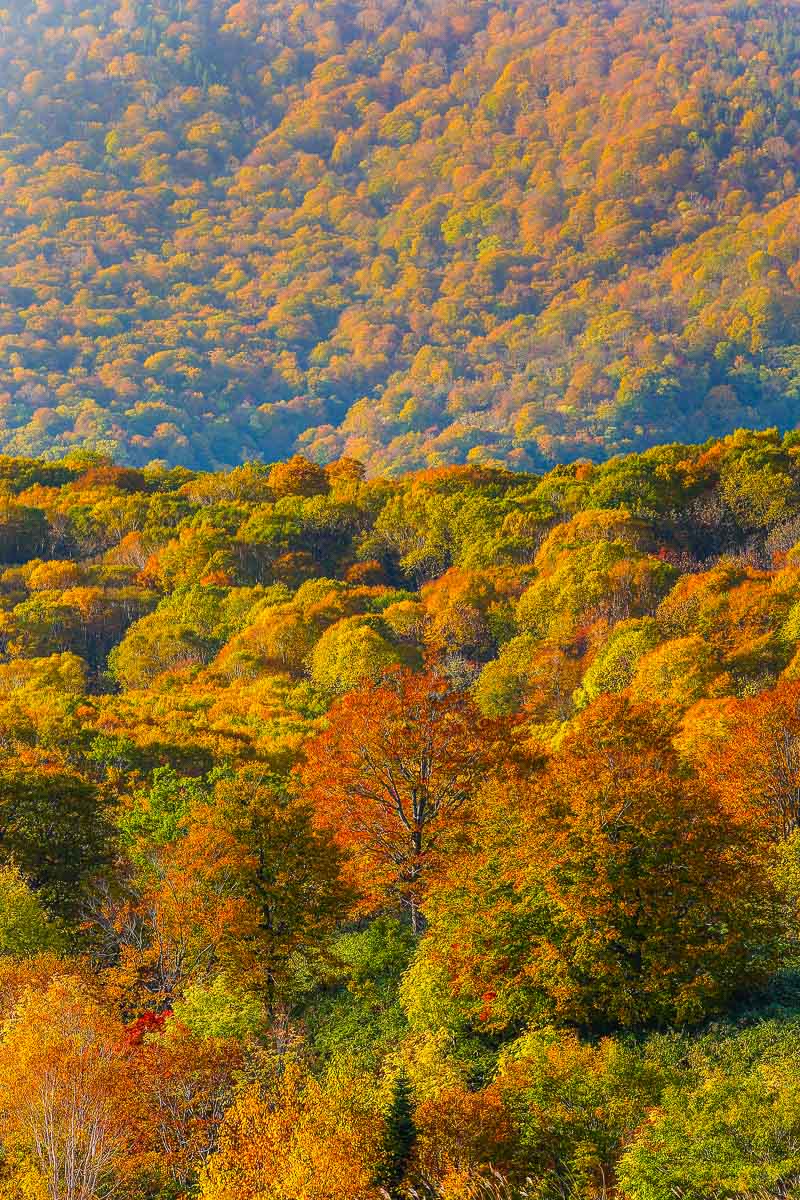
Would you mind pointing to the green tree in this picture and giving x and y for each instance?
(732, 1130)
(25, 927)
(53, 825)
(399, 1138)
(350, 652)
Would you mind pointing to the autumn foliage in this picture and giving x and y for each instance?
(432, 836)
(414, 236)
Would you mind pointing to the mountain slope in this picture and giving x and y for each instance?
(413, 233)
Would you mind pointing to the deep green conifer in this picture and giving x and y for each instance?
(399, 1138)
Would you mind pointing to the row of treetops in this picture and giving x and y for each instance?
(392, 832)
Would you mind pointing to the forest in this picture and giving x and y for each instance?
(433, 836)
(409, 232)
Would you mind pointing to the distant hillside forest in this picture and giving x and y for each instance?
(419, 838)
(416, 234)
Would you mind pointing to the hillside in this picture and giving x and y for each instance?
(434, 836)
(413, 233)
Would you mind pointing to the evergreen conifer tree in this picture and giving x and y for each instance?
(399, 1138)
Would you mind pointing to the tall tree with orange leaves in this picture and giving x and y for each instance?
(250, 887)
(393, 776)
(611, 888)
(755, 768)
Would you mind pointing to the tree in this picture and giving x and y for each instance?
(298, 477)
(23, 531)
(466, 610)
(399, 1138)
(25, 928)
(54, 827)
(624, 894)
(68, 1106)
(577, 1103)
(186, 1083)
(349, 653)
(249, 887)
(539, 676)
(290, 874)
(302, 1140)
(679, 671)
(615, 664)
(645, 871)
(157, 644)
(465, 1140)
(590, 570)
(173, 924)
(279, 640)
(731, 1129)
(392, 777)
(755, 768)
(58, 673)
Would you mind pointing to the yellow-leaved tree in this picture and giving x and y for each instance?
(304, 1139)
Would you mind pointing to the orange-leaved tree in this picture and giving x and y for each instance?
(622, 894)
(68, 1109)
(250, 887)
(755, 766)
(393, 776)
(662, 908)
(186, 1083)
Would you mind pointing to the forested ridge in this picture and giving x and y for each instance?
(431, 836)
(416, 234)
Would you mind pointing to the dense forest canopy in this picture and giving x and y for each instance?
(433, 836)
(413, 233)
